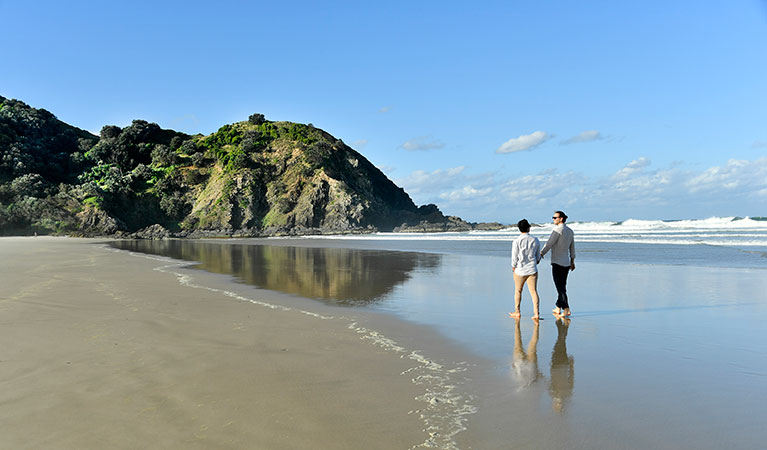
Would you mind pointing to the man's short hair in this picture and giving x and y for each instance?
(562, 215)
(523, 225)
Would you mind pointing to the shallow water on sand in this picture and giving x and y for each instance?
(655, 355)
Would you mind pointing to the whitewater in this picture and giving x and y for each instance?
(716, 241)
(712, 231)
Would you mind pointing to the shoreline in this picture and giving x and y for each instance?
(437, 363)
(130, 338)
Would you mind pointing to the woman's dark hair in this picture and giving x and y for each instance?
(523, 225)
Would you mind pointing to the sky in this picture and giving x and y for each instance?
(493, 111)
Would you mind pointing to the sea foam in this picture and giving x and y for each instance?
(720, 231)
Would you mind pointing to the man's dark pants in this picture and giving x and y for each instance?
(559, 273)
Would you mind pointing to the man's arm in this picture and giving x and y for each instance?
(550, 243)
(572, 254)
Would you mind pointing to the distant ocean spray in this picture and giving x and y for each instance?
(721, 231)
(718, 231)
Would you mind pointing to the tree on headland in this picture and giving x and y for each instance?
(256, 119)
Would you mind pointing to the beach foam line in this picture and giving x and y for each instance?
(658, 240)
(445, 408)
(629, 227)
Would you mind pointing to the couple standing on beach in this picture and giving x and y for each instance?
(526, 253)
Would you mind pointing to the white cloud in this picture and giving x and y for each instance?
(544, 187)
(359, 144)
(465, 193)
(585, 136)
(420, 178)
(637, 190)
(737, 175)
(450, 184)
(422, 143)
(632, 168)
(524, 142)
(759, 144)
(639, 163)
(385, 109)
(674, 192)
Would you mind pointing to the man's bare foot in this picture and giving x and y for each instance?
(515, 315)
(537, 318)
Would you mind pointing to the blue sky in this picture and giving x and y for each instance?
(494, 111)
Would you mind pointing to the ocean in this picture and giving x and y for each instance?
(717, 241)
(664, 348)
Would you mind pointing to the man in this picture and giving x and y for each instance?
(562, 246)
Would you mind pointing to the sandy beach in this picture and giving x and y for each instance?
(350, 344)
(100, 350)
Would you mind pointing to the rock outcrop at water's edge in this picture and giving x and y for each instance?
(251, 178)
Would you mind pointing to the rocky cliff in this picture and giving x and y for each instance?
(251, 178)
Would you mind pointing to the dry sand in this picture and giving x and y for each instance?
(99, 350)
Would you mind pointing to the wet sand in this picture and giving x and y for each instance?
(99, 350)
(112, 349)
(656, 355)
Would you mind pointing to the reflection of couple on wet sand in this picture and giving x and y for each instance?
(526, 253)
(562, 370)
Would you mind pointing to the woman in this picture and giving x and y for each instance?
(525, 256)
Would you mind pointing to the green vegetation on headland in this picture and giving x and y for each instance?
(251, 178)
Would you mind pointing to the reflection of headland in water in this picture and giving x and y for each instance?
(342, 275)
